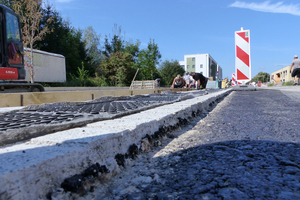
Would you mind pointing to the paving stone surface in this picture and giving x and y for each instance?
(38, 120)
(248, 147)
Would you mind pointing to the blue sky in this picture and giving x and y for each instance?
(182, 27)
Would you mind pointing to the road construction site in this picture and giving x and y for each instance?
(80, 149)
(40, 162)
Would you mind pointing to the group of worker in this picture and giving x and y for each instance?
(198, 81)
(190, 80)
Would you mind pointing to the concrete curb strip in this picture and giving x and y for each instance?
(32, 169)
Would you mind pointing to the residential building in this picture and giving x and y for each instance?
(281, 75)
(202, 63)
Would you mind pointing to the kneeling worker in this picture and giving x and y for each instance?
(178, 82)
(201, 80)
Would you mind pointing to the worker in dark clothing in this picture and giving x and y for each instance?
(201, 80)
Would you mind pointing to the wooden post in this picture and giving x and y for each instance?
(134, 77)
(22, 100)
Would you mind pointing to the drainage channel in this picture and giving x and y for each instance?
(37, 120)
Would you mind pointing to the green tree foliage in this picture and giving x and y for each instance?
(261, 76)
(82, 76)
(92, 46)
(148, 59)
(52, 41)
(74, 51)
(133, 49)
(168, 70)
(110, 55)
(118, 68)
(65, 40)
(116, 44)
(119, 61)
(7, 3)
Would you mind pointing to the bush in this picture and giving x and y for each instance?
(270, 84)
(99, 81)
(287, 83)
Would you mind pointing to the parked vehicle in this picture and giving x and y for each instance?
(47, 67)
(259, 83)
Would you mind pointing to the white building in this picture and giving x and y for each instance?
(202, 63)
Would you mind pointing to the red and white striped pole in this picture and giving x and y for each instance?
(242, 56)
(233, 80)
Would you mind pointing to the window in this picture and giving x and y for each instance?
(201, 66)
(188, 67)
(193, 66)
(201, 73)
(13, 30)
(193, 59)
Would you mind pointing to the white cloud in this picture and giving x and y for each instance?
(266, 6)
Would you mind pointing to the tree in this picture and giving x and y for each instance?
(82, 76)
(168, 70)
(133, 49)
(117, 64)
(112, 52)
(116, 44)
(92, 45)
(52, 42)
(74, 51)
(67, 41)
(118, 68)
(261, 76)
(7, 3)
(30, 12)
(148, 59)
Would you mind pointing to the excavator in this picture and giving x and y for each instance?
(12, 70)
